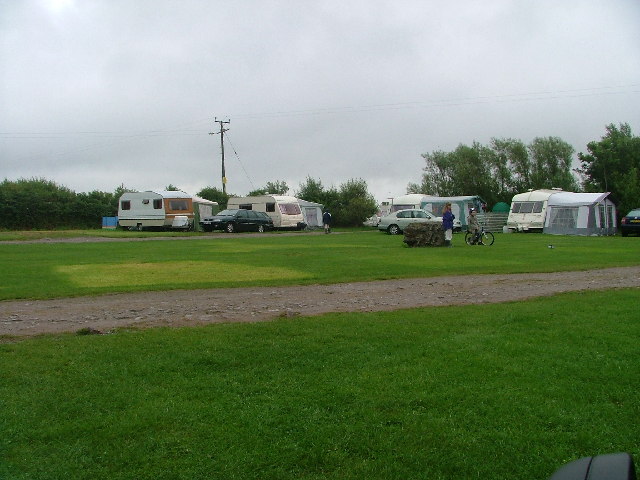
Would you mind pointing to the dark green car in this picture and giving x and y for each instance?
(241, 220)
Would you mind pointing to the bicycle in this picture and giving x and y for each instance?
(482, 238)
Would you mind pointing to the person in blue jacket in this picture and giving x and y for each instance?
(447, 224)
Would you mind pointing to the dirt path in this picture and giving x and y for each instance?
(198, 307)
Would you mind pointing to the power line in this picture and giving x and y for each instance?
(180, 130)
(241, 164)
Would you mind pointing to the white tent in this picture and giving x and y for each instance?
(571, 213)
(312, 213)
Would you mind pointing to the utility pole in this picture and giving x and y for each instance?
(221, 132)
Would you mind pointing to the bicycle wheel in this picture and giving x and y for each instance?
(487, 238)
(468, 238)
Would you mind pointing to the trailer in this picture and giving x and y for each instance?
(284, 210)
(406, 202)
(529, 210)
(163, 210)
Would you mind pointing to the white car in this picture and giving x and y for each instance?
(396, 222)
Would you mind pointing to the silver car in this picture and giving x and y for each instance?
(396, 222)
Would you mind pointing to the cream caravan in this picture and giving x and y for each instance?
(284, 210)
(529, 209)
(163, 209)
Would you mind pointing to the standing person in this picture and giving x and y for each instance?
(326, 220)
(447, 224)
(474, 226)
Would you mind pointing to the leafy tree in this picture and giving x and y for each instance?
(356, 204)
(312, 191)
(215, 195)
(172, 188)
(279, 187)
(437, 178)
(89, 208)
(551, 159)
(498, 171)
(350, 205)
(613, 165)
(36, 204)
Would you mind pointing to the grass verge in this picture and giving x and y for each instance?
(492, 391)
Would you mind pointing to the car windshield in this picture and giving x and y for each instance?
(634, 213)
(226, 213)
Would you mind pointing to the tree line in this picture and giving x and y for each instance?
(506, 167)
(495, 172)
(38, 203)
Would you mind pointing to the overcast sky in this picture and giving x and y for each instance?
(99, 93)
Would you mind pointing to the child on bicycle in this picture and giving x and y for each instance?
(474, 226)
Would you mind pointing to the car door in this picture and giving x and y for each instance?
(242, 221)
(404, 218)
(254, 221)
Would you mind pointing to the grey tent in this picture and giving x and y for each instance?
(571, 213)
(312, 213)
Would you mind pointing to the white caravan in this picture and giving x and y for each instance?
(405, 202)
(284, 210)
(528, 210)
(163, 209)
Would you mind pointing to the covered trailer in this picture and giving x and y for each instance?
(571, 213)
(162, 209)
(404, 202)
(284, 210)
(460, 206)
(529, 210)
(312, 213)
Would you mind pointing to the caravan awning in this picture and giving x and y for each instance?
(571, 199)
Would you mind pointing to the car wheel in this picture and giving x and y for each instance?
(624, 233)
(393, 229)
(230, 228)
(260, 228)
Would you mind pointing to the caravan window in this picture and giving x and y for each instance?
(270, 207)
(290, 209)
(178, 205)
(245, 206)
(157, 203)
(125, 204)
(526, 207)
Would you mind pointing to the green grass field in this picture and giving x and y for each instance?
(48, 270)
(506, 391)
